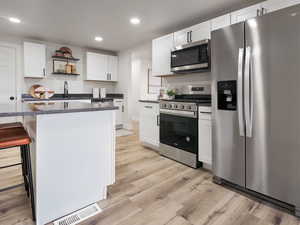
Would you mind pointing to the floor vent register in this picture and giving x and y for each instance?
(79, 216)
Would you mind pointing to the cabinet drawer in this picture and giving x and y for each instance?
(204, 113)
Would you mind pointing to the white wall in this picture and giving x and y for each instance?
(124, 84)
(77, 84)
(133, 72)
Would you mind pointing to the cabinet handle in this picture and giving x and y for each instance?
(263, 11)
(107, 78)
(122, 108)
(205, 112)
(158, 120)
(191, 36)
(44, 72)
(187, 37)
(258, 12)
(148, 107)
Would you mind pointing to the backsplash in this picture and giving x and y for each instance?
(178, 81)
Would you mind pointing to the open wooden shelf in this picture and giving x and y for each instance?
(62, 58)
(72, 74)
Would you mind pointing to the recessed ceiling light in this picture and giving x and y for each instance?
(14, 20)
(98, 39)
(135, 21)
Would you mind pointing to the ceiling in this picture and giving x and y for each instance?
(77, 22)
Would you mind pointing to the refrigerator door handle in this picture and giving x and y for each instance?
(248, 92)
(240, 92)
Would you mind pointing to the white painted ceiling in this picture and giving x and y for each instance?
(77, 22)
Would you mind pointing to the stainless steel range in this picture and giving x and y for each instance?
(179, 128)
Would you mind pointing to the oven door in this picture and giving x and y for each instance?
(179, 132)
(194, 58)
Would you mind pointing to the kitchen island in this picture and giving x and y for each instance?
(72, 153)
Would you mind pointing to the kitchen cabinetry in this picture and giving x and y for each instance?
(119, 114)
(192, 34)
(246, 13)
(182, 37)
(273, 5)
(34, 60)
(200, 31)
(113, 68)
(161, 55)
(220, 22)
(205, 135)
(149, 124)
(101, 67)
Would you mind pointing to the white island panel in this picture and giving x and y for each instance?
(73, 157)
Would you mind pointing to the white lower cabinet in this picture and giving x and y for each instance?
(205, 136)
(149, 124)
(119, 114)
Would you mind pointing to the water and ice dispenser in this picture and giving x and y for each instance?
(227, 95)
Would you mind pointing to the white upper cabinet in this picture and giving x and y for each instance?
(101, 67)
(220, 22)
(161, 55)
(34, 60)
(182, 37)
(195, 33)
(273, 5)
(96, 66)
(245, 14)
(200, 31)
(113, 68)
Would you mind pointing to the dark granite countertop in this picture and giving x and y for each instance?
(149, 101)
(58, 97)
(32, 109)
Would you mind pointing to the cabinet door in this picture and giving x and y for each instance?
(205, 141)
(245, 14)
(119, 115)
(113, 68)
(273, 5)
(34, 60)
(182, 37)
(220, 22)
(161, 55)
(97, 66)
(200, 31)
(149, 123)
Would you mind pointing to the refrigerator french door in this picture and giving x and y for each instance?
(266, 120)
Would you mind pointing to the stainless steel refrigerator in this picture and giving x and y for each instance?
(256, 105)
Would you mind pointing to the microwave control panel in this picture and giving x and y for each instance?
(227, 95)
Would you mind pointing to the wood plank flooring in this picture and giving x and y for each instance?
(152, 190)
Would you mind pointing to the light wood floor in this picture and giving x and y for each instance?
(153, 190)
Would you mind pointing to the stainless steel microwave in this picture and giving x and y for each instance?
(192, 57)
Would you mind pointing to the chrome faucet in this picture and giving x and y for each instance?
(66, 89)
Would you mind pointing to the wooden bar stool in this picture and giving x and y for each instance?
(14, 135)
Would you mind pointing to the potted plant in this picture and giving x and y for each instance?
(171, 93)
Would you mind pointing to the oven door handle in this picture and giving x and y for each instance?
(181, 113)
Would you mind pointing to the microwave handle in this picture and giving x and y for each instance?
(187, 37)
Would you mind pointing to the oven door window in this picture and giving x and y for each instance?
(179, 132)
